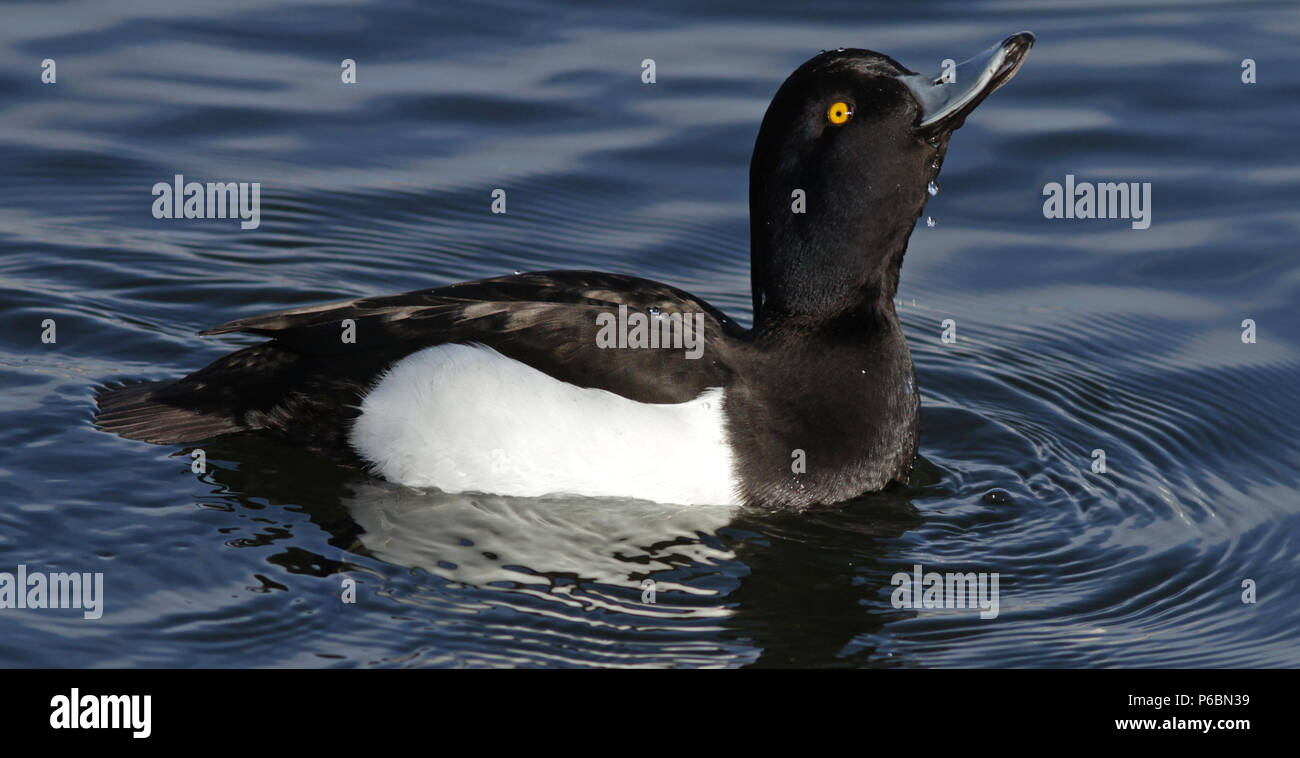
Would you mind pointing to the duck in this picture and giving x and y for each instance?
(602, 385)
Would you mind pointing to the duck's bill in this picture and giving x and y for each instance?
(946, 99)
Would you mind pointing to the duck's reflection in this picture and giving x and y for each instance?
(788, 588)
(487, 539)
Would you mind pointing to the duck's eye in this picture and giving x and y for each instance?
(839, 113)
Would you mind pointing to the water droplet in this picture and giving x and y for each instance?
(656, 312)
(839, 49)
(998, 497)
(933, 188)
(934, 142)
(930, 222)
(934, 164)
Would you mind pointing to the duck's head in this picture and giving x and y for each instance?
(840, 172)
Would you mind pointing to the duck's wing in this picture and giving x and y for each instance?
(551, 320)
(308, 380)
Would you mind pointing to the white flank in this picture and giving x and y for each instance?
(464, 418)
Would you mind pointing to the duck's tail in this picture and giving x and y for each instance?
(142, 411)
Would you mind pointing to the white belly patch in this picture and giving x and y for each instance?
(464, 418)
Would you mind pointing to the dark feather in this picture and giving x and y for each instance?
(133, 411)
(305, 384)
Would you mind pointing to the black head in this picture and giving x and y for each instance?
(861, 137)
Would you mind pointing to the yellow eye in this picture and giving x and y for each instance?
(839, 113)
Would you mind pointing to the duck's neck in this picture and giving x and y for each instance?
(809, 272)
(791, 293)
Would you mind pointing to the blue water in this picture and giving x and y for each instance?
(1072, 335)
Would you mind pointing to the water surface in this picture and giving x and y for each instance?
(1072, 336)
